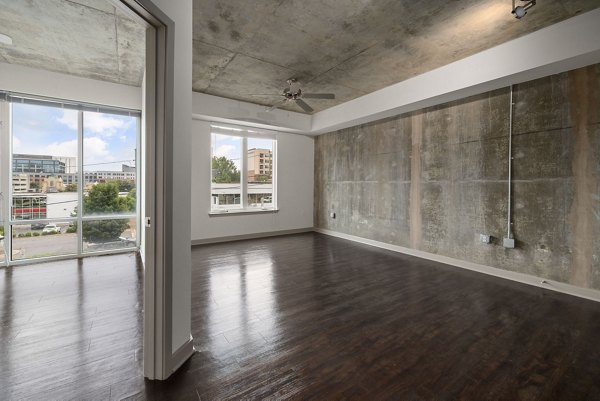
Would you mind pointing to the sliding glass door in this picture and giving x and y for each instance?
(110, 194)
(44, 142)
(72, 181)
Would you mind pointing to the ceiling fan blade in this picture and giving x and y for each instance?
(318, 95)
(304, 106)
(262, 94)
(276, 105)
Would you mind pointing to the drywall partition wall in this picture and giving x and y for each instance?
(31, 81)
(434, 179)
(295, 172)
(180, 12)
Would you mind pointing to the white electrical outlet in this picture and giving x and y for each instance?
(485, 238)
(332, 215)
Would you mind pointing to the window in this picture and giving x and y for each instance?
(239, 182)
(57, 204)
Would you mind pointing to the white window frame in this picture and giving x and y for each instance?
(244, 133)
(6, 157)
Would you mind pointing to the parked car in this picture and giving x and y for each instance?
(51, 228)
(38, 226)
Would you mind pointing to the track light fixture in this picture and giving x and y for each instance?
(520, 11)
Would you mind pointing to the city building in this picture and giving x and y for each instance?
(103, 176)
(20, 182)
(52, 184)
(40, 173)
(70, 163)
(37, 164)
(29, 206)
(260, 165)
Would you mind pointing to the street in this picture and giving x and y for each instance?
(57, 244)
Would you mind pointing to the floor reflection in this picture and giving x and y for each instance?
(241, 307)
(70, 329)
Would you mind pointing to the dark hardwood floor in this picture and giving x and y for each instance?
(305, 317)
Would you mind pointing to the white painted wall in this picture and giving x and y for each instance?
(295, 174)
(180, 12)
(31, 81)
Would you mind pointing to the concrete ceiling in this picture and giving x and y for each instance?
(348, 47)
(86, 38)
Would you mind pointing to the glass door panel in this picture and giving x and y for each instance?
(31, 241)
(43, 181)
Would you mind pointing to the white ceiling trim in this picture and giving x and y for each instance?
(214, 108)
(32, 81)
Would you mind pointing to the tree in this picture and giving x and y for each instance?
(70, 188)
(125, 185)
(262, 178)
(224, 170)
(104, 199)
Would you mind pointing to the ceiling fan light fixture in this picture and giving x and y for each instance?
(521, 11)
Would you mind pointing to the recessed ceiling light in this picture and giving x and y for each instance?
(5, 39)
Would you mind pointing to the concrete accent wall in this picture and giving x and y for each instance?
(434, 179)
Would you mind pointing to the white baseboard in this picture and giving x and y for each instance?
(586, 293)
(250, 236)
(182, 354)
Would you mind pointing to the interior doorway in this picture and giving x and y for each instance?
(70, 82)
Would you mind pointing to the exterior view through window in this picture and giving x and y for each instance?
(243, 169)
(73, 183)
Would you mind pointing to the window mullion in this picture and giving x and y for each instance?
(243, 174)
(5, 180)
(79, 182)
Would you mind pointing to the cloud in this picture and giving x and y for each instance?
(16, 144)
(67, 149)
(226, 150)
(68, 118)
(123, 138)
(95, 123)
(229, 151)
(95, 150)
(102, 124)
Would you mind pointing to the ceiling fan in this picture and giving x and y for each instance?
(293, 93)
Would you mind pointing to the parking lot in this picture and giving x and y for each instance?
(63, 243)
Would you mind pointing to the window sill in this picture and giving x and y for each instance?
(231, 212)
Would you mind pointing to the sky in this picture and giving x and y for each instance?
(109, 140)
(230, 146)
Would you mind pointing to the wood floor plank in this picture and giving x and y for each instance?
(306, 317)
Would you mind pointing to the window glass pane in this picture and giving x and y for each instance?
(44, 162)
(38, 240)
(226, 171)
(101, 235)
(260, 173)
(109, 164)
